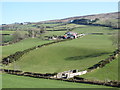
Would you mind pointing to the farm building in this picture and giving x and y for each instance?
(67, 35)
(70, 35)
(70, 74)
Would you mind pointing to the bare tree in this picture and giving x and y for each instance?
(116, 39)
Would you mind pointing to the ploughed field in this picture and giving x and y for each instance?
(73, 54)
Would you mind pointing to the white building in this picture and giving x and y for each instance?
(70, 73)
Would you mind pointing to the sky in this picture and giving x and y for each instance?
(40, 11)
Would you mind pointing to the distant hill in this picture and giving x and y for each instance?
(110, 19)
(104, 19)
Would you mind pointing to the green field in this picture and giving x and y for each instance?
(74, 54)
(7, 38)
(10, 32)
(84, 29)
(62, 26)
(12, 81)
(51, 33)
(95, 29)
(107, 73)
(7, 32)
(22, 45)
(79, 54)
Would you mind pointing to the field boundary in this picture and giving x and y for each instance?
(11, 42)
(102, 63)
(14, 57)
(48, 76)
(75, 79)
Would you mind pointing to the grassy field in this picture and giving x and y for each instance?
(107, 73)
(12, 81)
(74, 54)
(22, 45)
(95, 29)
(7, 38)
(7, 32)
(27, 43)
(51, 33)
(67, 26)
(84, 29)
(10, 32)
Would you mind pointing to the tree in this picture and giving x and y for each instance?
(36, 31)
(42, 31)
(19, 35)
(32, 31)
(116, 39)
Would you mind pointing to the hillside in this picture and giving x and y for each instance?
(66, 55)
(110, 72)
(38, 47)
(110, 19)
(105, 18)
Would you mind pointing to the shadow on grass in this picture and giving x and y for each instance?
(87, 56)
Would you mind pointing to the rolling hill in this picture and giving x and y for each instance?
(80, 53)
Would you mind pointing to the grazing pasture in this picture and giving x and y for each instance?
(7, 32)
(12, 81)
(6, 38)
(79, 54)
(22, 45)
(74, 54)
(107, 73)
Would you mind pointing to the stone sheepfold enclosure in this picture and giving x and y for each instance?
(70, 74)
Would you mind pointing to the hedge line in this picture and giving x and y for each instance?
(76, 78)
(50, 76)
(110, 83)
(10, 42)
(30, 74)
(100, 64)
(104, 62)
(17, 55)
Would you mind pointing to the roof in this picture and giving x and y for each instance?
(70, 33)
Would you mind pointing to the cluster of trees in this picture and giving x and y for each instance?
(106, 23)
(19, 35)
(84, 21)
(33, 32)
(112, 23)
(22, 33)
